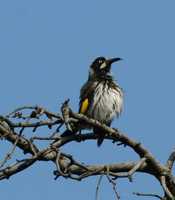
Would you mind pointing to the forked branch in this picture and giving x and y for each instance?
(14, 125)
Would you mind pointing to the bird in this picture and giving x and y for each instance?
(101, 98)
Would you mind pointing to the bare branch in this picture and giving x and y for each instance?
(44, 111)
(131, 171)
(9, 155)
(166, 190)
(66, 165)
(65, 113)
(16, 168)
(148, 195)
(36, 124)
(44, 138)
(20, 109)
(98, 187)
(113, 186)
(22, 142)
(171, 160)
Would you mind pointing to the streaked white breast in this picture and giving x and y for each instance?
(107, 103)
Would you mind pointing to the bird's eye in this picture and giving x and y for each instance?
(100, 61)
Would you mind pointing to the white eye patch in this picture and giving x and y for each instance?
(103, 65)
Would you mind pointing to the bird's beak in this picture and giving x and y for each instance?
(107, 63)
(112, 60)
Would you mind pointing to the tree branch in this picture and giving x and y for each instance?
(66, 166)
(148, 195)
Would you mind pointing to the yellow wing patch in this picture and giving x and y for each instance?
(84, 106)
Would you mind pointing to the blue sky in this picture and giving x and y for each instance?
(45, 50)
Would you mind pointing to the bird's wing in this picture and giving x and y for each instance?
(86, 96)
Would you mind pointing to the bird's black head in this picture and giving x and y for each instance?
(101, 66)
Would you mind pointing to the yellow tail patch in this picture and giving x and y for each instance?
(84, 106)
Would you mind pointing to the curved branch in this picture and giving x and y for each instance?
(22, 142)
(7, 172)
(65, 164)
(115, 135)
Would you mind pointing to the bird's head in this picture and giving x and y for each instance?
(101, 67)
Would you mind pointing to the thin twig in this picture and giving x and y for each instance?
(98, 187)
(107, 169)
(65, 113)
(165, 188)
(44, 138)
(171, 160)
(131, 171)
(36, 124)
(113, 186)
(9, 155)
(19, 109)
(46, 112)
(148, 195)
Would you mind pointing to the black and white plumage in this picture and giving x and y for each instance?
(101, 98)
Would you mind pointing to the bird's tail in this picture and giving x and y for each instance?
(100, 141)
(67, 133)
(101, 136)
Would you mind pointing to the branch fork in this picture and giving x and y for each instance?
(13, 128)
